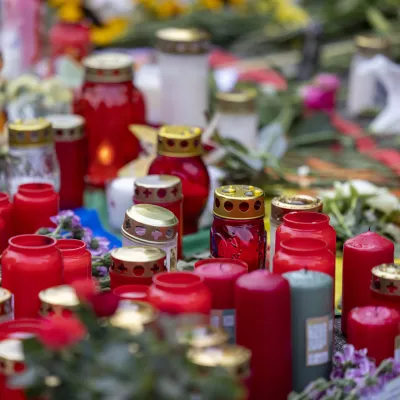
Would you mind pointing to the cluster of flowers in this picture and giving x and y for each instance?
(69, 226)
(354, 376)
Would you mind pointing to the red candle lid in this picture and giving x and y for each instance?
(220, 268)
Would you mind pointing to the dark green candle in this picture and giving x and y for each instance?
(311, 295)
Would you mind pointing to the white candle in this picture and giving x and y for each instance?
(183, 61)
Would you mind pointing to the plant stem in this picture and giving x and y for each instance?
(56, 231)
(339, 216)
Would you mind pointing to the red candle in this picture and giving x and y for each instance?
(385, 286)
(220, 275)
(360, 255)
(71, 149)
(77, 261)
(374, 328)
(34, 204)
(304, 253)
(6, 228)
(180, 293)
(132, 292)
(179, 154)
(163, 191)
(263, 326)
(306, 225)
(30, 264)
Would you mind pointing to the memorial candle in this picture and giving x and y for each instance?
(385, 286)
(220, 275)
(360, 255)
(312, 326)
(131, 293)
(6, 227)
(262, 302)
(375, 329)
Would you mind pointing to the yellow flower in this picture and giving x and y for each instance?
(104, 35)
(59, 3)
(289, 13)
(70, 12)
(165, 9)
(212, 4)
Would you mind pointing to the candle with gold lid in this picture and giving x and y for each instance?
(183, 60)
(201, 336)
(385, 286)
(238, 228)
(152, 226)
(179, 154)
(6, 307)
(135, 265)
(237, 111)
(31, 142)
(57, 300)
(282, 205)
(163, 191)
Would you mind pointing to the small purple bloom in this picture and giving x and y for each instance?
(98, 246)
(102, 271)
(87, 235)
(67, 219)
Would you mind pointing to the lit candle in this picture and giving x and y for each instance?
(262, 302)
(374, 328)
(312, 326)
(360, 255)
(220, 275)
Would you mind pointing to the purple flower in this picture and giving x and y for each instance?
(98, 246)
(87, 235)
(67, 219)
(101, 271)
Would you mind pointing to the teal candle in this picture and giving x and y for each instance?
(311, 295)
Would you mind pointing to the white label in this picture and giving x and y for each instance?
(317, 340)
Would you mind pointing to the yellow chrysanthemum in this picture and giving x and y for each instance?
(104, 35)
(212, 4)
(166, 9)
(289, 13)
(70, 12)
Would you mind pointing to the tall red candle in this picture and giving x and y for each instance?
(220, 276)
(374, 328)
(6, 228)
(360, 255)
(77, 260)
(179, 154)
(34, 204)
(263, 326)
(30, 264)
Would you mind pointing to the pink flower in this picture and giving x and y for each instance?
(328, 81)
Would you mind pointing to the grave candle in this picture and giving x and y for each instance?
(360, 255)
(131, 293)
(374, 328)
(312, 326)
(264, 328)
(6, 227)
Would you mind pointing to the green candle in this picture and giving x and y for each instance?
(311, 295)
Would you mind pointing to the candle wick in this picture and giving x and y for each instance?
(306, 269)
(369, 229)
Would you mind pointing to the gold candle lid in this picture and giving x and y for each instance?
(143, 262)
(30, 133)
(183, 41)
(149, 224)
(5, 302)
(239, 202)
(234, 359)
(67, 128)
(11, 355)
(134, 316)
(201, 336)
(386, 279)
(57, 299)
(179, 141)
(237, 102)
(282, 205)
(108, 68)
(371, 45)
(157, 189)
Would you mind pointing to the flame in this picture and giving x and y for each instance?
(105, 154)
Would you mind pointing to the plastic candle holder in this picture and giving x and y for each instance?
(360, 255)
(6, 223)
(180, 293)
(131, 293)
(238, 229)
(109, 103)
(77, 261)
(59, 300)
(34, 204)
(30, 264)
(374, 329)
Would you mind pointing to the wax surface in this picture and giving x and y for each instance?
(312, 334)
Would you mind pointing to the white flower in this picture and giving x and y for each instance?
(384, 201)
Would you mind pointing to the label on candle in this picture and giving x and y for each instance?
(225, 319)
(173, 258)
(317, 340)
(397, 348)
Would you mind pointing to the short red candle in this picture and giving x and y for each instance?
(132, 292)
(180, 293)
(220, 275)
(34, 204)
(6, 228)
(77, 261)
(306, 224)
(374, 328)
(263, 326)
(30, 264)
(360, 255)
(304, 253)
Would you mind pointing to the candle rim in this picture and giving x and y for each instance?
(35, 188)
(295, 219)
(296, 278)
(319, 245)
(200, 267)
(162, 281)
(356, 312)
(371, 246)
(70, 247)
(140, 289)
(48, 242)
(4, 198)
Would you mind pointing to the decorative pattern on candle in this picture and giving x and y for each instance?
(317, 340)
(57, 300)
(6, 305)
(386, 279)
